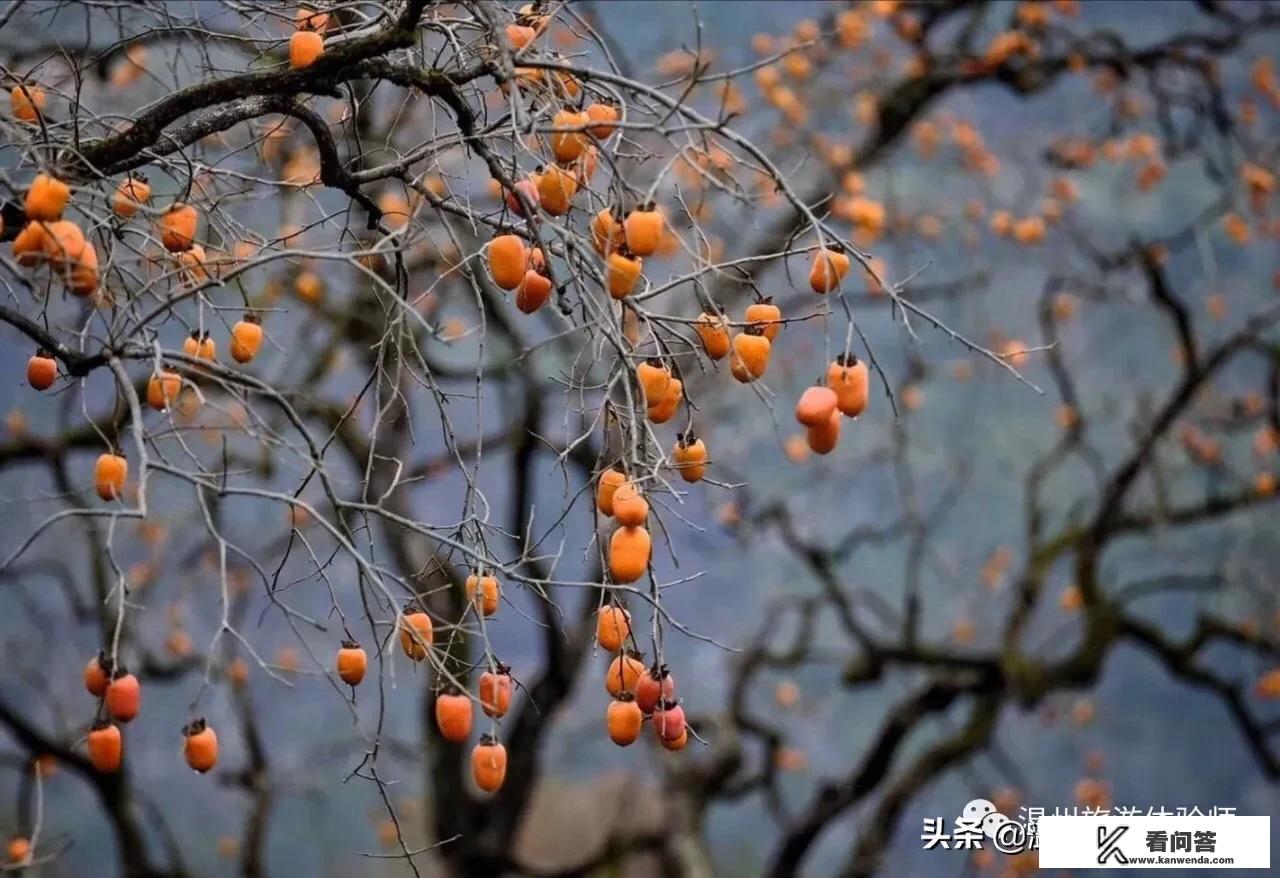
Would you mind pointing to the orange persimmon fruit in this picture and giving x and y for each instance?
(713, 331)
(508, 260)
(178, 227)
(483, 593)
(46, 198)
(606, 485)
(163, 389)
(495, 691)
(29, 245)
(533, 292)
(246, 338)
(629, 506)
(624, 720)
(849, 378)
(655, 685)
(106, 747)
(622, 271)
(567, 144)
(823, 437)
(606, 234)
(768, 315)
(416, 634)
(123, 696)
(663, 410)
(352, 663)
(629, 551)
(613, 627)
(603, 118)
(690, 456)
(830, 265)
(488, 764)
(654, 378)
(453, 715)
(643, 230)
(556, 188)
(109, 475)
(816, 405)
(750, 357)
(305, 48)
(200, 746)
(42, 370)
(132, 193)
(97, 675)
(623, 673)
(27, 101)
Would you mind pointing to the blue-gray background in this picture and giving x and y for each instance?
(1163, 743)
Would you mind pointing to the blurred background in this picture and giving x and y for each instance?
(1124, 129)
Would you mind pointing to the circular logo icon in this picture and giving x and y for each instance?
(977, 810)
(991, 824)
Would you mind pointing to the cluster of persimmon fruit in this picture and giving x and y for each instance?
(49, 239)
(454, 709)
(119, 697)
(845, 386)
(623, 240)
(515, 266)
(638, 693)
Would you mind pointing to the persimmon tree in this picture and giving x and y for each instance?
(397, 357)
